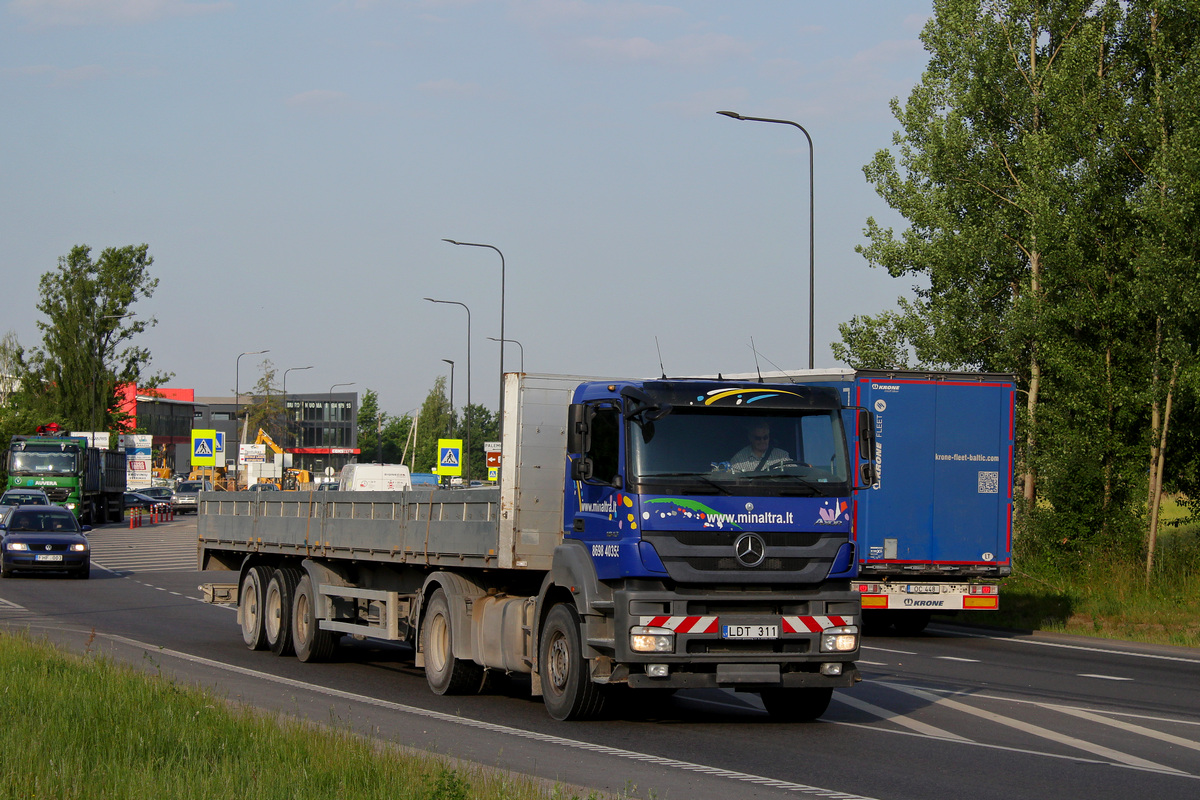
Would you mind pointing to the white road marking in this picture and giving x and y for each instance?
(899, 719)
(1088, 648)
(1128, 726)
(1045, 733)
(1104, 677)
(956, 658)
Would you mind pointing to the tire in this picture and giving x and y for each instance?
(567, 689)
(6, 571)
(796, 705)
(310, 642)
(277, 610)
(252, 596)
(444, 673)
(910, 623)
(83, 573)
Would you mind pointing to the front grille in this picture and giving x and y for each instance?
(708, 556)
(720, 647)
(57, 493)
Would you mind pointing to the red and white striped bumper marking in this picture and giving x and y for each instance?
(814, 624)
(682, 624)
(711, 624)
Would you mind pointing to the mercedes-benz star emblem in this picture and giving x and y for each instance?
(750, 549)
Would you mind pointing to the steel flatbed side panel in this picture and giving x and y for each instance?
(435, 527)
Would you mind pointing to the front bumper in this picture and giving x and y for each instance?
(28, 561)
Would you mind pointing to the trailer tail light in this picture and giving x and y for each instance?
(869, 588)
(983, 588)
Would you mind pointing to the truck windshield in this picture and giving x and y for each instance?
(43, 462)
(785, 452)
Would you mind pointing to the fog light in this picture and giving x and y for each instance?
(651, 640)
(657, 670)
(831, 669)
(839, 640)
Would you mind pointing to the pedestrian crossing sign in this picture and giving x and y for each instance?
(204, 448)
(449, 457)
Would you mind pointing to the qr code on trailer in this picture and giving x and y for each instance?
(989, 483)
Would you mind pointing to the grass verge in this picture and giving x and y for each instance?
(1107, 597)
(87, 727)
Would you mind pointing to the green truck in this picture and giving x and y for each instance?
(90, 481)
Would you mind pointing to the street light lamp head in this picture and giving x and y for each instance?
(731, 114)
(451, 241)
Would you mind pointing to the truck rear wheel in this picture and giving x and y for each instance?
(311, 643)
(278, 606)
(567, 688)
(796, 705)
(251, 600)
(445, 673)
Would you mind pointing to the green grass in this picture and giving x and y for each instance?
(86, 727)
(1105, 596)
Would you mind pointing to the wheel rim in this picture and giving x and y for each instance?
(274, 607)
(301, 622)
(250, 617)
(439, 638)
(560, 662)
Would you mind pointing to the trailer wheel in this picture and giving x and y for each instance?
(910, 623)
(278, 607)
(567, 688)
(251, 604)
(796, 705)
(445, 673)
(311, 643)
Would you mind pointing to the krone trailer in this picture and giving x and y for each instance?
(651, 534)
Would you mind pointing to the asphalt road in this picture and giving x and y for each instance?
(957, 713)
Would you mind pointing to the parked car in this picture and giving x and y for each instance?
(142, 501)
(187, 493)
(160, 493)
(24, 497)
(262, 487)
(42, 538)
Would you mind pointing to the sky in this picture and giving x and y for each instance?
(294, 167)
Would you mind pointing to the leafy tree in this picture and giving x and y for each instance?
(266, 408)
(435, 419)
(380, 435)
(485, 427)
(1047, 171)
(86, 347)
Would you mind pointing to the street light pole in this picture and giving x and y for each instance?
(450, 424)
(287, 428)
(497, 249)
(331, 434)
(811, 228)
(467, 415)
(237, 408)
(514, 341)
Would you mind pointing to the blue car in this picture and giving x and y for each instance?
(44, 538)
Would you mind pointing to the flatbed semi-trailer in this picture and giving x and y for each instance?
(621, 550)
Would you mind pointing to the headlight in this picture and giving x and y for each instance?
(839, 640)
(16, 546)
(651, 640)
(79, 548)
(71, 506)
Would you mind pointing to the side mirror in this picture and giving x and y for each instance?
(866, 435)
(866, 474)
(581, 469)
(578, 431)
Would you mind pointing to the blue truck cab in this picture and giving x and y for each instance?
(710, 522)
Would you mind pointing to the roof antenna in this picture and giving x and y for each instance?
(661, 368)
(756, 367)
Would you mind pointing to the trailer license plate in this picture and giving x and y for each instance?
(924, 588)
(750, 632)
(49, 557)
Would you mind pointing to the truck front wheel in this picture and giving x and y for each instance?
(281, 590)
(567, 688)
(311, 643)
(444, 673)
(796, 705)
(251, 599)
